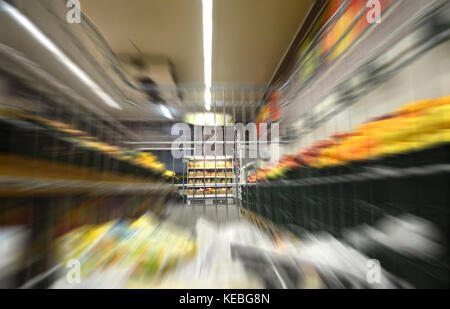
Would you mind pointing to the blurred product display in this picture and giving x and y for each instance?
(147, 253)
(61, 142)
(392, 165)
(143, 248)
(412, 128)
(213, 178)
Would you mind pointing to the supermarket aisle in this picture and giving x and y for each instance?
(186, 216)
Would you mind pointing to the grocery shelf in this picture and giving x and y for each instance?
(210, 196)
(11, 185)
(20, 134)
(210, 168)
(208, 185)
(373, 173)
(200, 177)
(377, 171)
(334, 88)
(212, 162)
(200, 158)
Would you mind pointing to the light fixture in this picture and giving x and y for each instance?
(58, 53)
(208, 119)
(207, 48)
(208, 99)
(166, 112)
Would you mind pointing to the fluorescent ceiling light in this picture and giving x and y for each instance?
(208, 119)
(207, 48)
(208, 99)
(166, 112)
(59, 54)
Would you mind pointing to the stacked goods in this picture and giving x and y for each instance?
(223, 180)
(210, 181)
(392, 165)
(171, 175)
(414, 127)
(210, 191)
(211, 177)
(146, 160)
(73, 244)
(210, 164)
(67, 131)
(199, 174)
(144, 249)
(61, 143)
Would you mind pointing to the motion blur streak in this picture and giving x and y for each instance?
(41, 37)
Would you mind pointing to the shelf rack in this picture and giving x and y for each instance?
(214, 198)
(209, 185)
(52, 183)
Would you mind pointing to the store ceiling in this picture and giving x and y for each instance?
(249, 38)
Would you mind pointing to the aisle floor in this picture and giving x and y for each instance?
(187, 215)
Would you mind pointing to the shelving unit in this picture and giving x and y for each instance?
(55, 178)
(211, 189)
